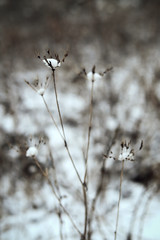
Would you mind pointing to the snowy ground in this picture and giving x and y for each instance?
(29, 208)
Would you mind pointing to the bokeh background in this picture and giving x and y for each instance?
(123, 34)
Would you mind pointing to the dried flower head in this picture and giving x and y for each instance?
(39, 86)
(53, 62)
(93, 75)
(32, 152)
(126, 152)
(33, 147)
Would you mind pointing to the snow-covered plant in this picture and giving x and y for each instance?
(34, 146)
(126, 152)
(53, 62)
(39, 86)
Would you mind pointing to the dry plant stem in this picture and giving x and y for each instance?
(89, 131)
(61, 121)
(86, 163)
(119, 200)
(59, 193)
(98, 191)
(69, 154)
(61, 223)
(57, 102)
(86, 211)
(55, 172)
(100, 185)
(45, 174)
(46, 105)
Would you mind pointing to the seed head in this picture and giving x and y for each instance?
(51, 62)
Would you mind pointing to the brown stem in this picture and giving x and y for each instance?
(45, 174)
(86, 163)
(61, 121)
(89, 131)
(46, 105)
(100, 185)
(57, 102)
(119, 200)
(86, 211)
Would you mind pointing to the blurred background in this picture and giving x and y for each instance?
(123, 34)
(115, 28)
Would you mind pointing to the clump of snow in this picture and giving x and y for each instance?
(32, 152)
(93, 76)
(41, 91)
(126, 152)
(51, 62)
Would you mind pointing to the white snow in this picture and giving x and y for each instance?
(93, 76)
(22, 221)
(32, 152)
(52, 61)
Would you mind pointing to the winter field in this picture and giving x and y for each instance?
(80, 122)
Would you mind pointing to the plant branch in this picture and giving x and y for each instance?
(45, 174)
(61, 122)
(119, 200)
(89, 131)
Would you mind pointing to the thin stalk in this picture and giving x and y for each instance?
(59, 193)
(119, 200)
(57, 102)
(84, 187)
(61, 223)
(45, 174)
(98, 191)
(46, 105)
(86, 211)
(89, 131)
(100, 185)
(55, 172)
(61, 122)
(86, 162)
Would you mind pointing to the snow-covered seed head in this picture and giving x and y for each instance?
(33, 147)
(41, 91)
(32, 152)
(40, 86)
(126, 153)
(93, 76)
(51, 63)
